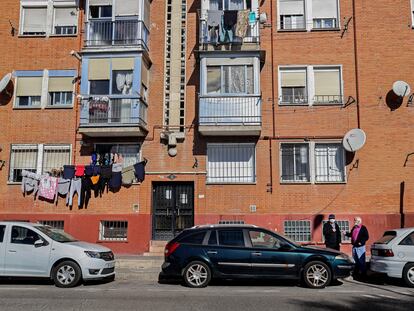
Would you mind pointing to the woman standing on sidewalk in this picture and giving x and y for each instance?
(359, 236)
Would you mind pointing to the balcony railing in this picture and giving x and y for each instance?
(119, 32)
(103, 111)
(328, 99)
(230, 110)
(216, 34)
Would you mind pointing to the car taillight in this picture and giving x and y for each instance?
(383, 252)
(170, 248)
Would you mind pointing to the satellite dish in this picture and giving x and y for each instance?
(4, 83)
(354, 140)
(401, 88)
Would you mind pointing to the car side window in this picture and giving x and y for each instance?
(212, 240)
(21, 235)
(196, 238)
(262, 239)
(409, 240)
(231, 237)
(2, 230)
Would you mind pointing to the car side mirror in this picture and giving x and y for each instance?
(40, 243)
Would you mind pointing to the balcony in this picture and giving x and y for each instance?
(230, 115)
(124, 32)
(104, 116)
(214, 36)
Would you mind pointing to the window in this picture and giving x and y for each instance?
(196, 238)
(28, 101)
(113, 231)
(295, 163)
(329, 163)
(33, 21)
(325, 13)
(292, 14)
(387, 237)
(26, 157)
(65, 21)
(60, 98)
(2, 230)
(99, 87)
(324, 87)
(408, 241)
(343, 227)
(100, 11)
(298, 230)
(324, 23)
(130, 152)
(122, 82)
(327, 86)
(230, 79)
(55, 157)
(23, 157)
(220, 5)
(231, 163)
(212, 240)
(293, 86)
(21, 235)
(231, 237)
(262, 239)
(57, 224)
(28, 92)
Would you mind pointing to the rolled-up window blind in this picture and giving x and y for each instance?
(99, 69)
(123, 64)
(291, 7)
(324, 9)
(293, 78)
(29, 86)
(60, 84)
(127, 7)
(34, 19)
(327, 82)
(66, 16)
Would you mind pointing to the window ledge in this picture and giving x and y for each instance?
(328, 104)
(32, 36)
(13, 183)
(294, 105)
(330, 182)
(28, 108)
(230, 183)
(59, 107)
(71, 35)
(325, 29)
(293, 30)
(295, 183)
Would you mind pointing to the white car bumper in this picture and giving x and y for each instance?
(93, 268)
(390, 267)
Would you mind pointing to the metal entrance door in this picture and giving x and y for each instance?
(173, 209)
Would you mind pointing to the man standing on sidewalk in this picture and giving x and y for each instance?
(331, 233)
(359, 236)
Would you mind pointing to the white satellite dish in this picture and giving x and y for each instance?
(4, 83)
(401, 88)
(354, 140)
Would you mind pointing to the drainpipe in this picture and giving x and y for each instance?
(356, 62)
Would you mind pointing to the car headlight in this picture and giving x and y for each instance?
(93, 254)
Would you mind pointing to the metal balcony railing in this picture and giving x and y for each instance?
(104, 111)
(297, 23)
(293, 100)
(328, 99)
(230, 110)
(119, 32)
(218, 34)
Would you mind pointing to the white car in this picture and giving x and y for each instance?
(393, 254)
(35, 250)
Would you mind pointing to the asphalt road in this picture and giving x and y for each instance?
(223, 296)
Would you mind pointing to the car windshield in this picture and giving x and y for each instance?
(56, 234)
(387, 237)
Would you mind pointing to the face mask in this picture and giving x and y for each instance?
(331, 221)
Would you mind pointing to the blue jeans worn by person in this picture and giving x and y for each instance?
(358, 253)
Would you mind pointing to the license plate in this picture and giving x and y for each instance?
(374, 252)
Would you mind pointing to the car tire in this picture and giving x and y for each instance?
(408, 274)
(317, 274)
(67, 274)
(197, 274)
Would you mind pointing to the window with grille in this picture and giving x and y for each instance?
(292, 14)
(23, 157)
(236, 79)
(295, 163)
(65, 20)
(57, 224)
(54, 157)
(298, 230)
(130, 152)
(327, 85)
(231, 163)
(293, 86)
(329, 163)
(113, 230)
(343, 226)
(60, 98)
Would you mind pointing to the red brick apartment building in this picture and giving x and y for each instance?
(239, 106)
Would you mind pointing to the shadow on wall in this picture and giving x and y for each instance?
(393, 101)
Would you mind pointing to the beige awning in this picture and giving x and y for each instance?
(60, 84)
(126, 7)
(34, 19)
(144, 74)
(123, 63)
(293, 78)
(99, 69)
(29, 86)
(66, 16)
(327, 82)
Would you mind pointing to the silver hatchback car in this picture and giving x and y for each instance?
(34, 250)
(393, 254)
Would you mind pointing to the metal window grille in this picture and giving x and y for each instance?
(231, 163)
(60, 98)
(57, 224)
(295, 163)
(65, 30)
(28, 101)
(329, 163)
(298, 230)
(343, 226)
(54, 157)
(231, 222)
(113, 230)
(22, 157)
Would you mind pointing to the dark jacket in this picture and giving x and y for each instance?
(362, 237)
(332, 239)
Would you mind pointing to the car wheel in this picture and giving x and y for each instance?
(67, 274)
(317, 274)
(197, 274)
(408, 274)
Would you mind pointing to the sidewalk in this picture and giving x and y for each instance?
(135, 267)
